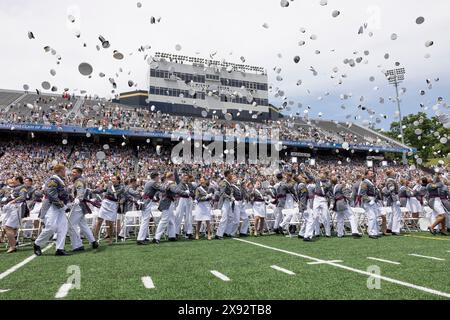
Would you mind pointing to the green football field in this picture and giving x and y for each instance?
(413, 266)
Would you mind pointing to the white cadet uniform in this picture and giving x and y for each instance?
(167, 207)
(238, 213)
(320, 204)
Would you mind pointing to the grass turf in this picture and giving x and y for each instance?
(181, 270)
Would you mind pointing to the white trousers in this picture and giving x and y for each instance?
(287, 218)
(227, 215)
(372, 212)
(341, 216)
(305, 216)
(145, 221)
(320, 206)
(312, 221)
(184, 210)
(167, 221)
(238, 215)
(55, 222)
(77, 220)
(396, 218)
(278, 217)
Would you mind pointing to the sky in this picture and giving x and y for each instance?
(232, 29)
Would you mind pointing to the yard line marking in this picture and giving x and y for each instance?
(383, 260)
(427, 257)
(64, 290)
(148, 282)
(283, 270)
(4, 290)
(220, 275)
(369, 274)
(429, 238)
(21, 264)
(324, 262)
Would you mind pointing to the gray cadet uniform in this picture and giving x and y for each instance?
(77, 219)
(184, 208)
(368, 193)
(238, 210)
(167, 207)
(434, 199)
(311, 220)
(340, 202)
(151, 189)
(15, 211)
(323, 192)
(393, 201)
(225, 204)
(282, 191)
(57, 197)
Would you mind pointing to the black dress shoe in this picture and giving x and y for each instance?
(327, 236)
(307, 239)
(141, 243)
(60, 252)
(280, 230)
(443, 233)
(78, 249)
(37, 250)
(218, 237)
(395, 234)
(356, 235)
(190, 236)
(172, 239)
(155, 241)
(226, 235)
(373, 237)
(388, 231)
(300, 237)
(431, 231)
(94, 245)
(243, 235)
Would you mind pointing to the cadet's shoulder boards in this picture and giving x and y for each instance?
(52, 183)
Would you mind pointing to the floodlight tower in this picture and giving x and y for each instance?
(395, 77)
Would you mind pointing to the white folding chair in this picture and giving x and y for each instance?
(361, 219)
(27, 227)
(132, 219)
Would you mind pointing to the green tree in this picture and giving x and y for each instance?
(422, 133)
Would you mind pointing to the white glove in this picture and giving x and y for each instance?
(398, 203)
(76, 201)
(372, 202)
(425, 202)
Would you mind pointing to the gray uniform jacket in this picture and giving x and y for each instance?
(392, 187)
(341, 197)
(225, 193)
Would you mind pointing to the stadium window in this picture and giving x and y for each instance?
(152, 72)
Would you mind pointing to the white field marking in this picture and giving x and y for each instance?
(220, 275)
(64, 290)
(427, 257)
(325, 262)
(283, 270)
(21, 264)
(368, 274)
(4, 290)
(383, 260)
(148, 282)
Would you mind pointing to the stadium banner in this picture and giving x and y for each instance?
(176, 136)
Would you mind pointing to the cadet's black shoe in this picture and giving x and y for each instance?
(443, 233)
(190, 236)
(141, 243)
(395, 234)
(78, 249)
(431, 231)
(448, 229)
(388, 231)
(226, 235)
(280, 230)
(37, 250)
(155, 241)
(356, 235)
(243, 235)
(327, 236)
(373, 237)
(300, 237)
(60, 252)
(94, 245)
(307, 239)
(218, 237)
(172, 239)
